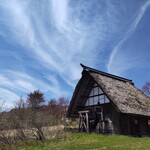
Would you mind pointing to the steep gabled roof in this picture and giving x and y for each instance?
(121, 91)
(105, 74)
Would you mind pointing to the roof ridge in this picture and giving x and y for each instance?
(106, 74)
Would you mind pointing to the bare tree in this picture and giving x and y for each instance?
(52, 107)
(57, 110)
(146, 89)
(5, 126)
(35, 99)
(21, 119)
(30, 119)
(63, 104)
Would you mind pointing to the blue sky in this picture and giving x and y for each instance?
(43, 42)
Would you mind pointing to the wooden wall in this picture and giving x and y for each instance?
(118, 123)
(134, 125)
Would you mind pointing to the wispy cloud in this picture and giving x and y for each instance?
(60, 13)
(46, 41)
(12, 82)
(118, 67)
(61, 50)
(8, 98)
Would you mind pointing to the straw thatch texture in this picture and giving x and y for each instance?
(126, 97)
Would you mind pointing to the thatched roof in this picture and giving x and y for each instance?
(121, 92)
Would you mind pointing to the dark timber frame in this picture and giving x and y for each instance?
(84, 121)
(124, 110)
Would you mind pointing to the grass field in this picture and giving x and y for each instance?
(81, 141)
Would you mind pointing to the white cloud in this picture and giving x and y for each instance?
(118, 64)
(8, 98)
(58, 36)
(17, 82)
(60, 13)
(53, 33)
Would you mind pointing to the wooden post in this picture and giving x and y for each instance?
(79, 123)
(87, 123)
(84, 121)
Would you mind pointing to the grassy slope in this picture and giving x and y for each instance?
(81, 141)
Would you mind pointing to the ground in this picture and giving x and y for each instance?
(82, 141)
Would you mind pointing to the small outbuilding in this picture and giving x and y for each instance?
(107, 103)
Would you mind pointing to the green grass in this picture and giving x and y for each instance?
(81, 141)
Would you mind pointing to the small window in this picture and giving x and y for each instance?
(100, 91)
(95, 100)
(101, 99)
(86, 104)
(91, 101)
(135, 121)
(148, 122)
(106, 99)
(95, 91)
(91, 94)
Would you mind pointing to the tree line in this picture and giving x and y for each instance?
(34, 114)
(31, 117)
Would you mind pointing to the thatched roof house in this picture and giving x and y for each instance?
(120, 102)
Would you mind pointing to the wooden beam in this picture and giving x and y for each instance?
(83, 120)
(87, 123)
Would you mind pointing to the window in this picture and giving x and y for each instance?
(95, 100)
(106, 99)
(135, 121)
(97, 97)
(149, 123)
(102, 99)
(91, 94)
(100, 91)
(95, 91)
(91, 101)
